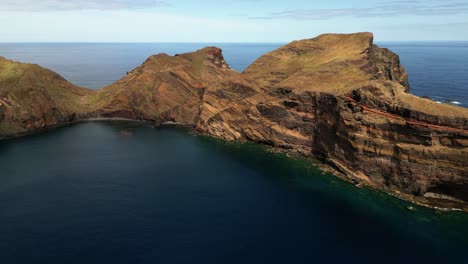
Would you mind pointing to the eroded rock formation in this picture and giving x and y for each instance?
(164, 88)
(337, 97)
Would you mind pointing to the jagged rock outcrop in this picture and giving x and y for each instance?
(164, 88)
(336, 97)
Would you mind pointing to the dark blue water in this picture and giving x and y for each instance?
(88, 194)
(438, 70)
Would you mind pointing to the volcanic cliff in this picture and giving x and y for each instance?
(337, 97)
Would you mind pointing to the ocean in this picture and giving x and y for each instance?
(88, 193)
(438, 70)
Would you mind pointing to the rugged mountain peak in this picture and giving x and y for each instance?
(335, 63)
(212, 55)
(342, 45)
(336, 97)
(164, 88)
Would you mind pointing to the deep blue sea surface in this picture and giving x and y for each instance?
(438, 70)
(88, 193)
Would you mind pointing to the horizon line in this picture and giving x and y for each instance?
(195, 42)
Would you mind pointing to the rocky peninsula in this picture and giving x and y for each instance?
(337, 98)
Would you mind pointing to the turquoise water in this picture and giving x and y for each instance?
(89, 194)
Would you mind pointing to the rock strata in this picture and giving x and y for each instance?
(165, 88)
(337, 97)
(342, 99)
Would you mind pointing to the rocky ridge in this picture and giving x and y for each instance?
(164, 88)
(33, 98)
(337, 97)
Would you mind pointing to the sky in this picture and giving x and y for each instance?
(229, 20)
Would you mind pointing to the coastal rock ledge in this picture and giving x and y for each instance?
(337, 98)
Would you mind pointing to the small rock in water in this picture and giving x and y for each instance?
(126, 133)
(410, 208)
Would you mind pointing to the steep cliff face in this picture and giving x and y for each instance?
(164, 88)
(342, 99)
(33, 98)
(370, 136)
(273, 101)
(385, 65)
(336, 97)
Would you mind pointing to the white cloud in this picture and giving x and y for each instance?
(383, 9)
(41, 5)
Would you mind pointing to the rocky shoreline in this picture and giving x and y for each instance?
(437, 202)
(337, 98)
